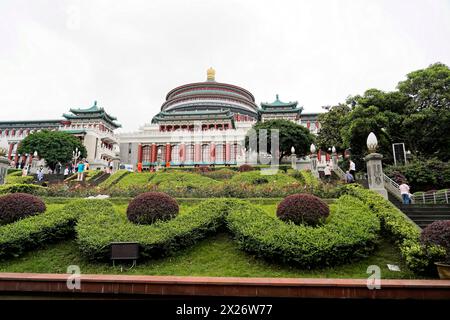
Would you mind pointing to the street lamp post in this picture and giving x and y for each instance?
(375, 175)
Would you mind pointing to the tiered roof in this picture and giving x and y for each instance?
(93, 112)
(280, 107)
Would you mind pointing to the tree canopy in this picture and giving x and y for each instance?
(417, 113)
(53, 146)
(290, 135)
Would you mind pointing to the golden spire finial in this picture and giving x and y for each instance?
(211, 74)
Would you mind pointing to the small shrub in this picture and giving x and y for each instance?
(152, 206)
(23, 188)
(303, 209)
(17, 206)
(437, 233)
(245, 168)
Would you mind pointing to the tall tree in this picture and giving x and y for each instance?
(290, 135)
(331, 124)
(428, 121)
(53, 146)
(428, 88)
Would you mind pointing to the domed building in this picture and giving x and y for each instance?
(201, 123)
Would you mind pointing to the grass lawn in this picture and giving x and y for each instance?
(217, 255)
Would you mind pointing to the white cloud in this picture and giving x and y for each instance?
(129, 54)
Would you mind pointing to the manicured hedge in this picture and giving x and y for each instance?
(351, 232)
(50, 226)
(12, 179)
(23, 188)
(404, 232)
(95, 231)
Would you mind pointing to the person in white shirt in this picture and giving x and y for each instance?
(327, 172)
(404, 191)
(352, 169)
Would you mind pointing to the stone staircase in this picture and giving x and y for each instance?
(99, 179)
(422, 214)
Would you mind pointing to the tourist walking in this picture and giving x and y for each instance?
(66, 172)
(327, 172)
(404, 191)
(40, 174)
(25, 171)
(348, 177)
(352, 169)
(80, 171)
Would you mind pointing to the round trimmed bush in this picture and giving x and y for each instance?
(437, 233)
(245, 168)
(17, 206)
(303, 209)
(152, 206)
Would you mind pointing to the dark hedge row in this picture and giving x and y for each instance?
(351, 232)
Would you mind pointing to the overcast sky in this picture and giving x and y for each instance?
(58, 54)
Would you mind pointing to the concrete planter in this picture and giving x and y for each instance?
(443, 270)
(4, 164)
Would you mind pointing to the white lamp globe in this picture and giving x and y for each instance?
(372, 142)
(312, 148)
(292, 149)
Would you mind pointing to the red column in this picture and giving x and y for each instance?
(153, 153)
(11, 146)
(168, 154)
(16, 157)
(197, 152)
(212, 152)
(227, 153)
(140, 157)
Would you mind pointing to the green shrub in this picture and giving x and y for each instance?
(404, 232)
(303, 209)
(97, 230)
(296, 174)
(423, 174)
(437, 233)
(350, 233)
(50, 226)
(11, 179)
(23, 188)
(150, 207)
(15, 173)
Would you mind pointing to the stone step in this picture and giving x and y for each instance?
(431, 217)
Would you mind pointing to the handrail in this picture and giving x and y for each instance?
(339, 172)
(393, 187)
